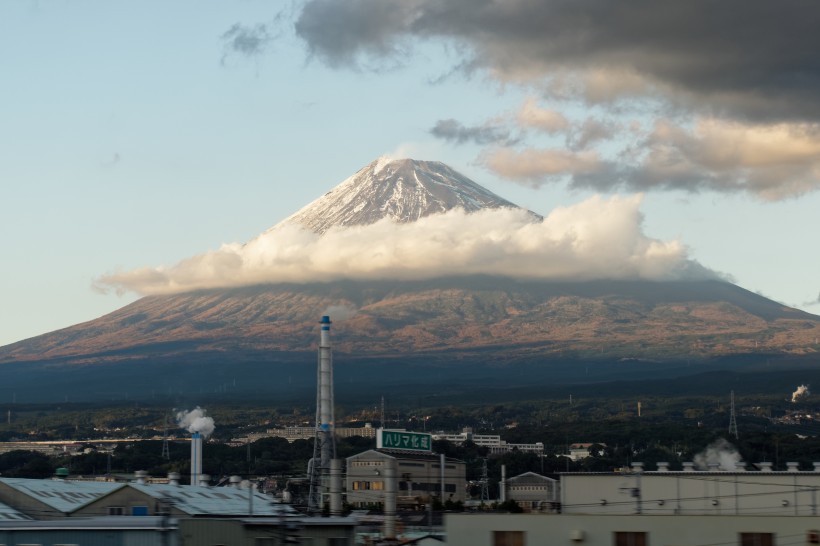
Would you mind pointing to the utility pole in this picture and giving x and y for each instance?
(166, 453)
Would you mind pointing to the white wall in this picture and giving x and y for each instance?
(597, 530)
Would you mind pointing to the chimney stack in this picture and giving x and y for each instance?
(196, 457)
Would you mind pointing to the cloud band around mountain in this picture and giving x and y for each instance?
(596, 239)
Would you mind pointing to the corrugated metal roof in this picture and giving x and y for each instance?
(7, 513)
(61, 495)
(214, 501)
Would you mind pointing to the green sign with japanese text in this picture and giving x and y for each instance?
(399, 439)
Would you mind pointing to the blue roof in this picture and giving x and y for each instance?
(214, 501)
(62, 495)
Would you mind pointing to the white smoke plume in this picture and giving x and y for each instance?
(801, 392)
(340, 312)
(598, 238)
(718, 452)
(196, 421)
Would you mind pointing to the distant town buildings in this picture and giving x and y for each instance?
(492, 442)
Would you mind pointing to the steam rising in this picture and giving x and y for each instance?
(196, 421)
(801, 392)
(340, 312)
(597, 239)
(719, 452)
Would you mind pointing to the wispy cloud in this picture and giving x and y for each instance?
(454, 131)
(246, 40)
(596, 239)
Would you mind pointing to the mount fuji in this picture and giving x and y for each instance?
(398, 330)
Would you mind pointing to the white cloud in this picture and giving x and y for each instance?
(598, 238)
(535, 165)
(549, 121)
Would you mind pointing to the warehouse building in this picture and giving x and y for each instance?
(419, 477)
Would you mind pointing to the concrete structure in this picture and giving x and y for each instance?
(533, 492)
(418, 475)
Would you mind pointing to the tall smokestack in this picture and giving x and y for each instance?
(336, 487)
(324, 448)
(196, 457)
(325, 390)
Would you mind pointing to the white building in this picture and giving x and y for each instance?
(658, 508)
(493, 442)
(532, 492)
(689, 492)
(581, 450)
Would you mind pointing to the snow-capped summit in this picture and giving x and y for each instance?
(403, 190)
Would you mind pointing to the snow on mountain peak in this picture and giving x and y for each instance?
(403, 190)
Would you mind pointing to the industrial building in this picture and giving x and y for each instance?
(532, 492)
(688, 507)
(419, 477)
(693, 492)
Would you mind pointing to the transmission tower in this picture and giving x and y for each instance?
(732, 419)
(485, 490)
(166, 453)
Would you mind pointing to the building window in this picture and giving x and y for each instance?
(756, 539)
(630, 538)
(139, 510)
(116, 511)
(508, 538)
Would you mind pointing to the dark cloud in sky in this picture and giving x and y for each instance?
(454, 131)
(747, 59)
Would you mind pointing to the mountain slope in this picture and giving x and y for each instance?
(401, 190)
(501, 316)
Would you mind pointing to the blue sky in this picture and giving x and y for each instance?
(136, 134)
